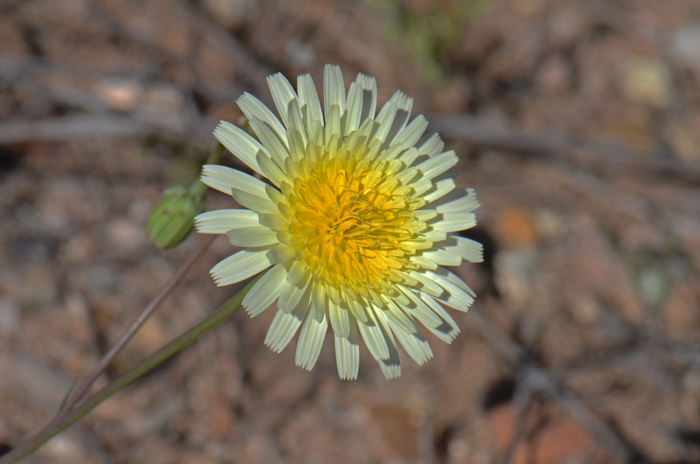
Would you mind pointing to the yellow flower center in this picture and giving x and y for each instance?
(353, 222)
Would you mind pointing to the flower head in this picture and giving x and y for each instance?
(355, 223)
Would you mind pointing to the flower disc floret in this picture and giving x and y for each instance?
(352, 223)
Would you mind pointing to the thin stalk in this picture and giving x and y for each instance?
(83, 387)
(198, 187)
(217, 317)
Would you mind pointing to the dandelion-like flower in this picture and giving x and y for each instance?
(356, 223)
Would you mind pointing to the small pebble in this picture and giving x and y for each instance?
(9, 315)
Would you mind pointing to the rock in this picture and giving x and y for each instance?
(477, 42)
(515, 58)
(232, 14)
(549, 436)
(38, 287)
(516, 227)
(513, 271)
(680, 312)
(62, 449)
(454, 98)
(554, 76)
(125, 235)
(300, 54)
(685, 143)
(9, 315)
(653, 283)
(401, 429)
(567, 26)
(562, 439)
(120, 94)
(647, 81)
(528, 9)
(686, 46)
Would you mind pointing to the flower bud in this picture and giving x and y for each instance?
(172, 218)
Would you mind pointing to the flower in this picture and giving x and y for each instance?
(356, 223)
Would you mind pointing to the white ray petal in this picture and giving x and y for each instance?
(333, 124)
(395, 314)
(311, 337)
(415, 345)
(433, 167)
(282, 93)
(423, 262)
(408, 157)
(443, 257)
(285, 325)
(254, 236)
(357, 309)
(292, 294)
(427, 284)
(457, 201)
(354, 110)
(410, 135)
(333, 89)
(425, 214)
(309, 103)
(468, 249)
(340, 319)
(223, 179)
(265, 291)
(391, 367)
(374, 339)
(369, 95)
(275, 145)
(384, 121)
(457, 295)
(439, 189)
(280, 253)
(271, 169)
(222, 220)
(237, 141)
(454, 279)
(420, 310)
(395, 122)
(448, 330)
(432, 146)
(256, 202)
(239, 266)
(453, 222)
(254, 108)
(273, 221)
(347, 352)
(296, 125)
(297, 272)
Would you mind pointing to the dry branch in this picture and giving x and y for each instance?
(601, 158)
(534, 377)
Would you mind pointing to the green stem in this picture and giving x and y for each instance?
(217, 317)
(198, 188)
(215, 155)
(74, 397)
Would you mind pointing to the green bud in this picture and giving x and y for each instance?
(172, 218)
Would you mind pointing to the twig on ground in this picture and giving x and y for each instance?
(524, 404)
(105, 126)
(221, 314)
(603, 159)
(537, 378)
(71, 128)
(85, 385)
(247, 65)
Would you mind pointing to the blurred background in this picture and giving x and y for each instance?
(577, 121)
